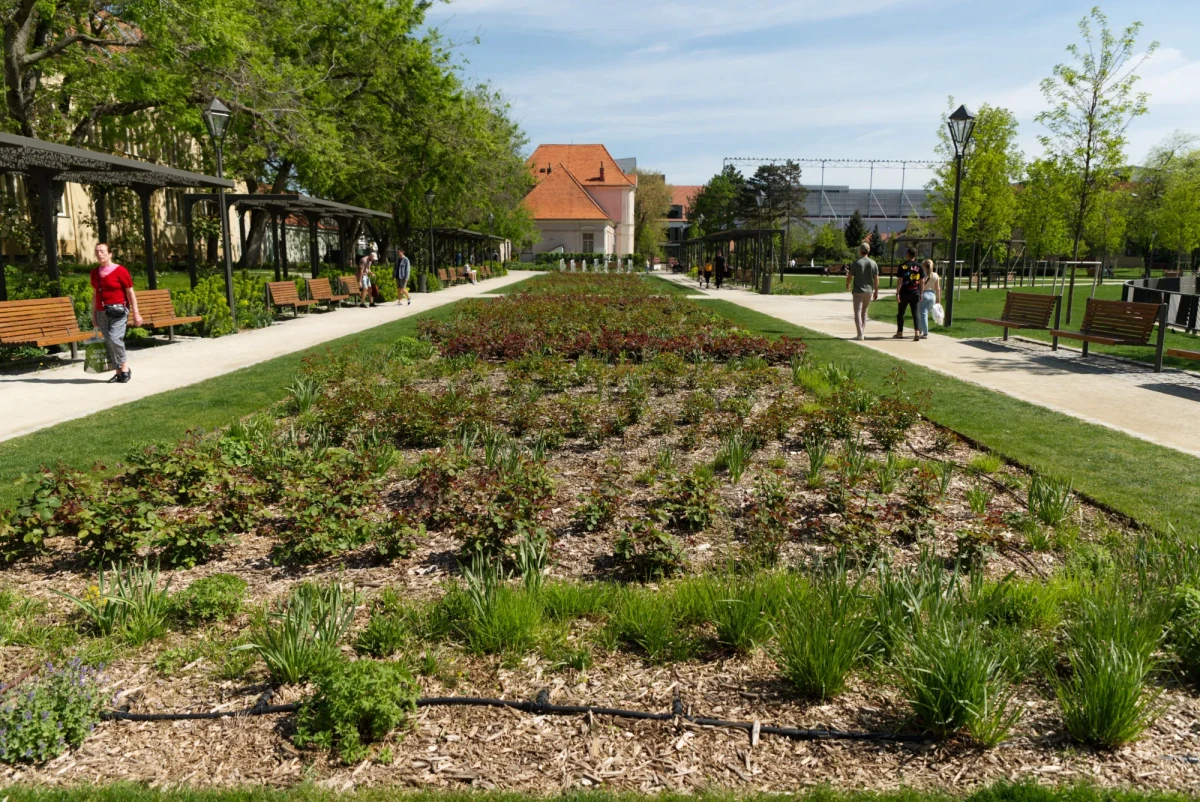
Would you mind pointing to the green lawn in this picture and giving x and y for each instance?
(974, 304)
(107, 436)
(1149, 483)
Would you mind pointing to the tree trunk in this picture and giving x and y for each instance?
(252, 256)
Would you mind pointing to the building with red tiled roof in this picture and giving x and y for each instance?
(679, 218)
(583, 200)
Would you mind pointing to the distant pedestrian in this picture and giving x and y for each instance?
(908, 296)
(113, 300)
(862, 282)
(365, 285)
(706, 274)
(931, 293)
(469, 274)
(402, 271)
(719, 270)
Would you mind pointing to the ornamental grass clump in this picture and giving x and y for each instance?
(126, 602)
(46, 715)
(648, 619)
(300, 640)
(1112, 644)
(1050, 500)
(823, 633)
(740, 608)
(955, 681)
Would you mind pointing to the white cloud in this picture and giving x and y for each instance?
(1171, 79)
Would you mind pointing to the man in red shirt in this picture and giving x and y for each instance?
(113, 301)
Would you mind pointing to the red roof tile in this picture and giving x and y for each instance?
(560, 196)
(590, 164)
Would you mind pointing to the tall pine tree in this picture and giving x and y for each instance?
(856, 231)
(877, 247)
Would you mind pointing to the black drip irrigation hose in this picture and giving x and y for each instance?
(541, 706)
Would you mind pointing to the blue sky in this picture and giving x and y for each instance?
(681, 85)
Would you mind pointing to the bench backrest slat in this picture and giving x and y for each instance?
(319, 289)
(1120, 319)
(156, 305)
(1029, 309)
(283, 292)
(349, 285)
(37, 318)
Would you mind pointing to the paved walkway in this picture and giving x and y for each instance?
(33, 400)
(1163, 408)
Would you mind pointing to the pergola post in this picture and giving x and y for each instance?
(241, 214)
(283, 255)
(102, 213)
(188, 217)
(275, 242)
(314, 247)
(49, 226)
(3, 278)
(145, 193)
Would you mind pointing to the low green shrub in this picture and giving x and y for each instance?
(690, 502)
(644, 551)
(212, 598)
(44, 716)
(356, 704)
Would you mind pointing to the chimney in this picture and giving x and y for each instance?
(601, 171)
(549, 168)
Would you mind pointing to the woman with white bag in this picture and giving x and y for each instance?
(931, 297)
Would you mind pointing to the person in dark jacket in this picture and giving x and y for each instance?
(719, 269)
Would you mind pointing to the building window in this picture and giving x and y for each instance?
(174, 206)
(589, 242)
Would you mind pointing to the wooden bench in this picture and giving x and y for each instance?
(1026, 310)
(1119, 323)
(158, 312)
(319, 290)
(1183, 354)
(283, 293)
(42, 322)
(349, 286)
(448, 277)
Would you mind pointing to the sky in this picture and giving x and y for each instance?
(682, 85)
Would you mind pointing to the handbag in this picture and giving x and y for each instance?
(939, 314)
(95, 359)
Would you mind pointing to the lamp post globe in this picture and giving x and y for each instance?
(216, 120)
(961, 125)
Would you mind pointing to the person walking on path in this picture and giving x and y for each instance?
(908, 296)
(402, 271)
(931, 293)
(708, 274)
(113, 302)
(862, 282)
(719, 270)
(365, 273)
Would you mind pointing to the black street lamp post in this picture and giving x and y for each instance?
(962, 125)
(492, 233)
(765, 287)
(216, 119)
(423, 281)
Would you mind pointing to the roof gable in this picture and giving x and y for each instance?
(560, 196)
(592, 165)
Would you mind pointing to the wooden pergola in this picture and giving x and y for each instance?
(51, 166)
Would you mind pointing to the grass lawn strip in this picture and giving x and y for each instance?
(1148, 483)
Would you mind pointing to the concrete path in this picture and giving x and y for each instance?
(1163, 408)
(33, 400)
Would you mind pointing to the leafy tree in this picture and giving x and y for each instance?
(991, 165)
(829, 243)
(1165, 168)
(720, 200)
(878, 249)
(1092, 104)
(783, 194)
(1041, 204)
(856, 230)
(1178, 214)
(651, 205)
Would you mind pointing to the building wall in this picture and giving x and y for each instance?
(568, 235)
(617, 203)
